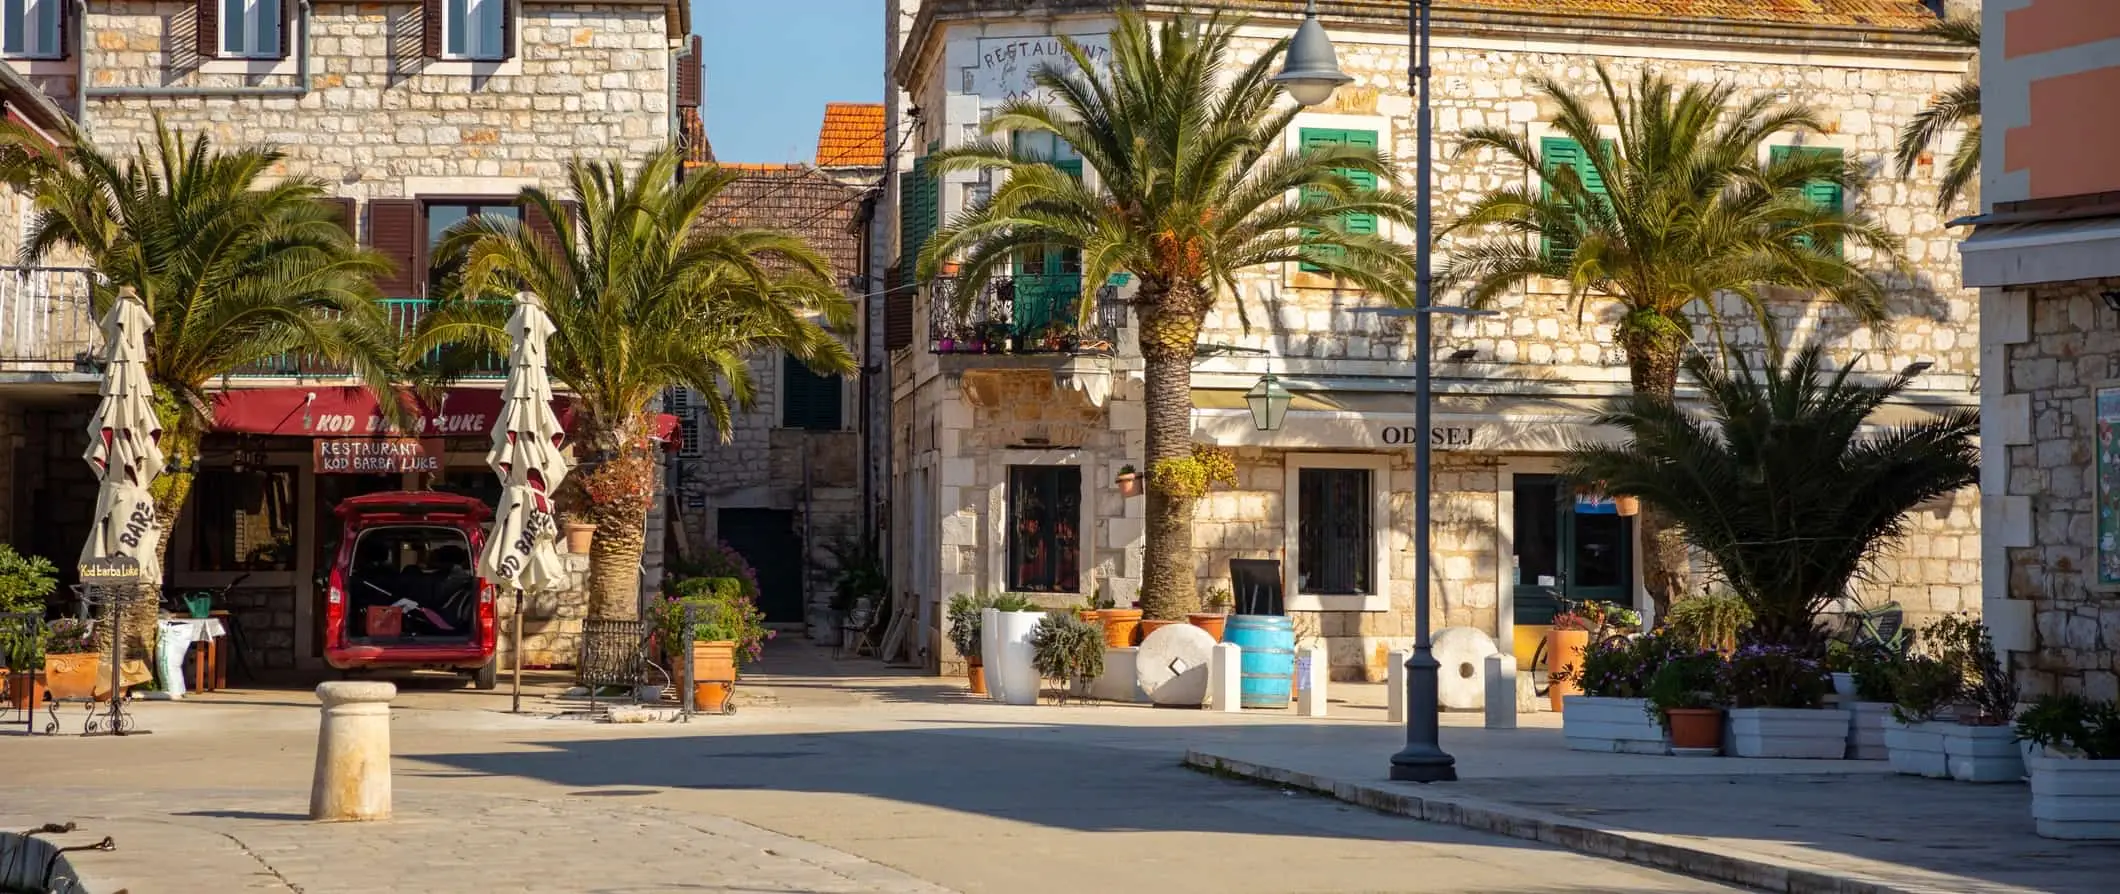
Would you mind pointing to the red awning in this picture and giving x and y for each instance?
(328, 411)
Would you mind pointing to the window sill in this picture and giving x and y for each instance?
(238, 65)
(1314, 602)
(42, 65)
(474, 68)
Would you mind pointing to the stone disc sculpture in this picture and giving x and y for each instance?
(1171, 666)
(1462, 683)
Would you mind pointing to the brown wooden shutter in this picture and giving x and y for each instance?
(536, 222)
(897, 310)
(343, 207)
(431, 28)
(509, 10)
(689, 75)
(394, 230)
(208, 18)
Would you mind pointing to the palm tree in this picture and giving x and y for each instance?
(1778, 484)
(233, 270)
(645, 294)
(1957, 106)
(1676, 209)
(1193, 189)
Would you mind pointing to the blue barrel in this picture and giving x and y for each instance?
(1269, 657)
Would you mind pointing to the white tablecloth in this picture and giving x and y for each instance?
(177, 635)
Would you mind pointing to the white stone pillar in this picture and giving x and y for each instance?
(353, 752)
(1310, 702)
(1501, 691)
(1225, 678)
(1395, 680)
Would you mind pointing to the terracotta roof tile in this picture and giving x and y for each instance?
(795, 199)
(852, 136)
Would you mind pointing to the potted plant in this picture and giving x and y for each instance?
(70, 660)
(1129, 482)
(581, 535)
(725, 630)
(1923, 688)
(2075, 766)
(1776, 692)
(1120, 626)
(22, 653)
(1564, 649)
(25, 582)
(1068, 650)
(1216, 602)
(1685, 696)
(1979, 746)
(966, 614)
(1011, 672)
(1710, 621)
(1612, 713)
(1872, 667)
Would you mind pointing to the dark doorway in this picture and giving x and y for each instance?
(766, 538)
(1568, 547)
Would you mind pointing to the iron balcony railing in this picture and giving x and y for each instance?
(1039, 314)
(404, 314)
(47, 323)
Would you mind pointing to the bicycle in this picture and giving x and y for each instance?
(1604, 633)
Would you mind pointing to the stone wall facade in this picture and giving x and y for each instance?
(1542, 349)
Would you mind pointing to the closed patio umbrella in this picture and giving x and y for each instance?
(124, 450)
(528, 456)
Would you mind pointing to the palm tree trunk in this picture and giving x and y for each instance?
(619, 493)
(1170, 329)
(1652, 368)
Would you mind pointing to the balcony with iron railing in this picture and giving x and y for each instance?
(1024, 314)
(47, 321)
(404, 315)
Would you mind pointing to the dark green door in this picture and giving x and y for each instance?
(766, 539)
(1047, 280)
(1568, 547)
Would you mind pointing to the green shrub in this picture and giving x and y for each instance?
(1710, 620)
(1924, 687)
(25, 581)
(2073, 725)
(1687, 679)
(1067, 649)
(967, 618)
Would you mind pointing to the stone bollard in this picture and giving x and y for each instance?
(1395, 680)
(1311, 702)
(353, 752)
(1225, 678)
(1501, 692)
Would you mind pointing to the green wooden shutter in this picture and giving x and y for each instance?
(1824, 193)
(1364, 224)
(807, 400)
(917, 213)
(1560, 152)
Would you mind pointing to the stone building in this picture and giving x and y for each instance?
(785, 489)
(414, 116)
(1008, 432)
(2046, 256)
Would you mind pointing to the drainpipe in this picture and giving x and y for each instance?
(301, 71)
(81, 53)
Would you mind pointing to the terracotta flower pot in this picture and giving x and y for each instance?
(714, 661)
(1148, 627)
(1564, 649)
(1088, 614)
(1119, 626)
(1695, 727)
(21, 690)
(71, 675)
(975, 673)
(1209, 621)
(1130, 485)
(1627, 505)
(710, 698)
(580, 536)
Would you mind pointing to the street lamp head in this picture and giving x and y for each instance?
(1311, 70)
(1269, 403)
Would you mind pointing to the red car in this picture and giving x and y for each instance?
(404, 587)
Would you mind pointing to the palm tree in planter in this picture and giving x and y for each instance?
(233, 270)
(1778, 483)
(1957, 106)
(1193, 188)
(646, 292)
(1684, 203)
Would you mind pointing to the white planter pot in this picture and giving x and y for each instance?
(1019, 678)
(1620, 725)
(2075, 798)
(1788, 732)
(1866, 730)
(1916, 749)
(1982, 753)
(990, 650)
(1844, 686)
(1117, 684)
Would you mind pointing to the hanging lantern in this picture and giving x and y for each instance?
(1269, 403)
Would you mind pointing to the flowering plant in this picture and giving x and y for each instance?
(70, 636)
(1615, 668)
(1775, 676)
(1689, 679)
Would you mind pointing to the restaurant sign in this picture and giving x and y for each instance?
(378, 456)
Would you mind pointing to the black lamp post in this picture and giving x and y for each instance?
(1310, 74)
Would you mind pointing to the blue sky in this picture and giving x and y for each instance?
(773, 64)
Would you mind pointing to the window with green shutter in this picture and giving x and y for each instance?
(807, 400)
(1824, 193)
(1560, 152)
(918, 213)
(1364, 224)
(1047, 280)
